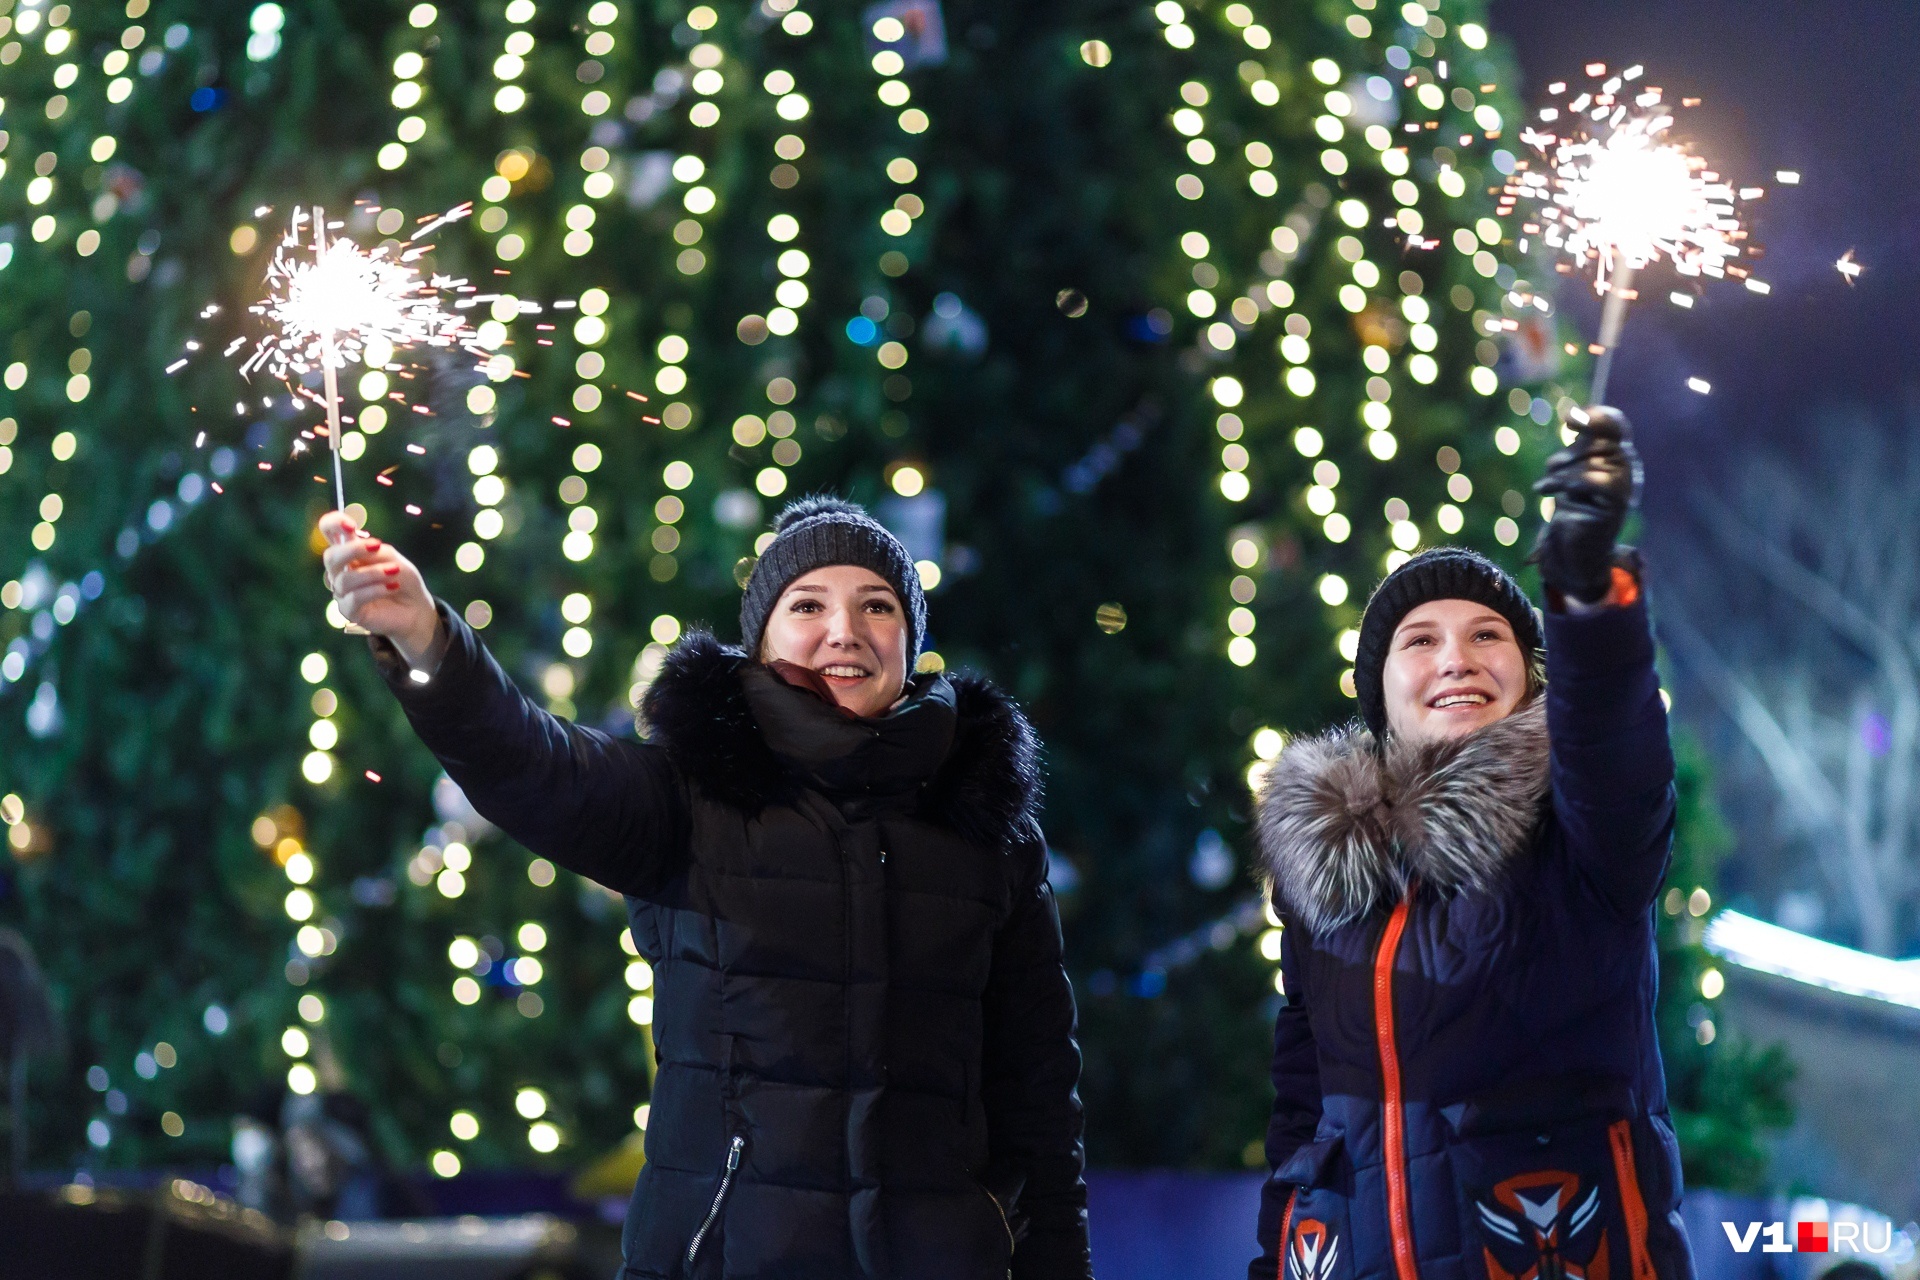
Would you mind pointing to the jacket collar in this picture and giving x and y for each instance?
(849, 755)
(1346, 826)
(748, 740)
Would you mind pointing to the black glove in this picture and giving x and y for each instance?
(1594, 483)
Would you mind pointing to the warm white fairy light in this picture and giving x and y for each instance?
(1240, 313)
(589, 365)
(1417, 333)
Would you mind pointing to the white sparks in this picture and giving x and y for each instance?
(1700, 385)
(1617, 192)
(1849, 269)
(452, 215)
(332, 302)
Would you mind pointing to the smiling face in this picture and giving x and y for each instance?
(846, 624)
(1453, 667)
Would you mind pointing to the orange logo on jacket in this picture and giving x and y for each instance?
(1542, 1226)
(1313, 1252)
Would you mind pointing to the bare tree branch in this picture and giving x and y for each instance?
(1815, 802)
(1819, 669)
(1813, 591)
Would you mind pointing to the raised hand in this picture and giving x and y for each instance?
(379, 589)
(1594, 483)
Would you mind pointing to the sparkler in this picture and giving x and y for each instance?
(331, 303)
(1617, 192)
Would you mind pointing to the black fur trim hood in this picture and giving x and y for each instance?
(1344, 827)
(988, 789)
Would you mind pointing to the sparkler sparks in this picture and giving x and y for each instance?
(332, 303)
(1616, 192)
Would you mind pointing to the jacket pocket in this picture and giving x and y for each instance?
(703, 1236)
(1314, 1242)
(1546, 1182)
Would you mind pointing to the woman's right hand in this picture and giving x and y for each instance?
(379, 589)
(1594, 483)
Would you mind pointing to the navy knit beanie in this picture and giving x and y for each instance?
(1444, 573)
(820, 531)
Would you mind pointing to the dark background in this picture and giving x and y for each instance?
(1827, 89)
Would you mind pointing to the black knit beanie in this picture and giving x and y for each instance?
(1444, 573)
(820, 531)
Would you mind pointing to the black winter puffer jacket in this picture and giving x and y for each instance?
(865, 1034)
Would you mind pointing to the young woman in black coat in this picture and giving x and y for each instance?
(867, 1064)
(1468, 1085)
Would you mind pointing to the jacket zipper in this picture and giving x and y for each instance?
(1393, 1115)
(1620, 1138)
(1286, 1233)
(1008, 1226)
(734, 1149)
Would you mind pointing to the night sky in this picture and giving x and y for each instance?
(1826, 87)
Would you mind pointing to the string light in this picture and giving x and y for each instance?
(313, 939)
(591, 328)
(116, 88)
(1407, 324)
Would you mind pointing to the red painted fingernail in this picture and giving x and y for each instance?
(393, 586)
(373, 544)
(392, 569)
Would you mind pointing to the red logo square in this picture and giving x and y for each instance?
(1813, 1237)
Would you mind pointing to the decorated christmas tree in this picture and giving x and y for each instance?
(1157, 332)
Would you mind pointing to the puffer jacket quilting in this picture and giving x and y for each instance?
(1467, 1077)
(863, 1028)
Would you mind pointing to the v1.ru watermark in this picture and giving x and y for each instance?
(1811, 1237)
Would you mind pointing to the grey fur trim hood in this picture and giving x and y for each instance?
(1345, 827)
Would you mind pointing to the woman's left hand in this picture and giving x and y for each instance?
(1593, 482)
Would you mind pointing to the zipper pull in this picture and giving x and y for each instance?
(734, 1149)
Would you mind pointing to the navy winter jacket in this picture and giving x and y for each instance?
(865, 1035)
(1468, 1082)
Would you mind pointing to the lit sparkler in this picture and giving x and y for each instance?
(332, 303)
(1617, 192)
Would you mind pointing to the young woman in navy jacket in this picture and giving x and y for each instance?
(1467, 1077)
